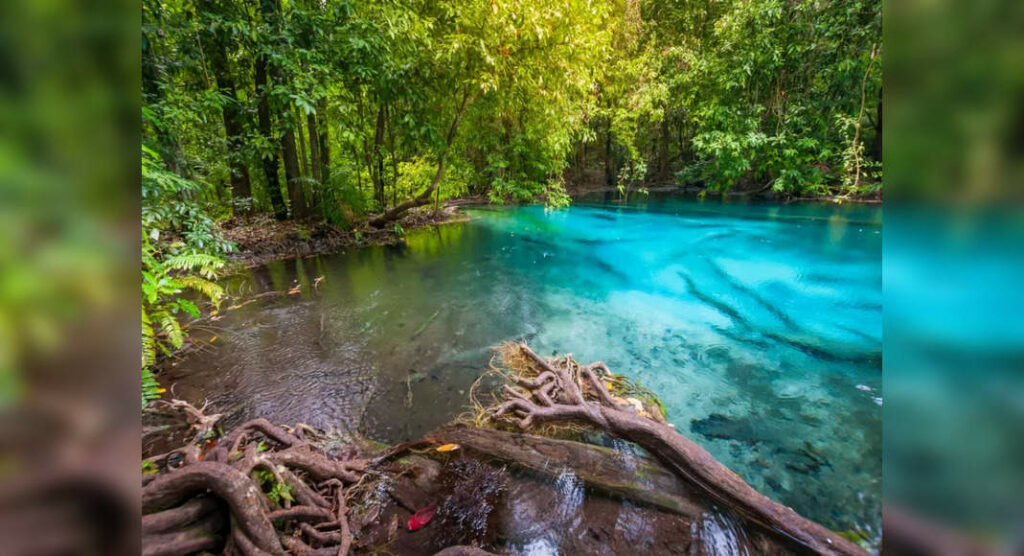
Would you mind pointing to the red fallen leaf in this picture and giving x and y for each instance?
(421, 518)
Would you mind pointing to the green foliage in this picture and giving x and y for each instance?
(752, 94)
(181, 252)
(149, 468)
(275, 490)
(151, 389)
(509, 98)
(763, 85)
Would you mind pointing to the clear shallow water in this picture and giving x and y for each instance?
(758, 325)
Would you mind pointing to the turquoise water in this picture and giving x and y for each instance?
(759, 326)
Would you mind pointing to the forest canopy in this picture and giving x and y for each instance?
(336, 109)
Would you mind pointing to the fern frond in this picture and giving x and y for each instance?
(170, 326)
(206, 265)
(211, 290)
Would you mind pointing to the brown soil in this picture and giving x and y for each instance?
(261, 239)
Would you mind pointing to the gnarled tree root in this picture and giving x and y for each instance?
(564, 390)
(228, 496)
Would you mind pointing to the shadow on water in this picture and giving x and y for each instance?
(758, 325)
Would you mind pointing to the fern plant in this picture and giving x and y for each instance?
(181, 258)
(165, 282)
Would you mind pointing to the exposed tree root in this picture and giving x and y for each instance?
(539, 391)
(262, 489)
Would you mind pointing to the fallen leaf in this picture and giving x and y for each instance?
(213, 339)
(295, 290)
(448, 448)
(421, 518)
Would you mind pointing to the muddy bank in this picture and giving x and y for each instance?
(261, 238)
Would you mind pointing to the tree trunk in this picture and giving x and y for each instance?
(296, 198)
(304, 167)
(314, 148)
(270, 163)
(394, 160)
(378, 160)
(663, 171)
(234, 130)
(876, 150)
(325, 143)
(609, 175)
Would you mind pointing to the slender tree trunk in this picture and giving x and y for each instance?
(378, 159)
(270, 163)
(270, 10)
(296, 197)
(663, 171)
(314, 148)
(609, 177)
(304, 170)
(325, 143)
(394, 161)
(233, 117)
(876, 150)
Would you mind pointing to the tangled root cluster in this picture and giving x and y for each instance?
(260, 489)
(530, 383)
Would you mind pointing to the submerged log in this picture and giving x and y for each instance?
(609, 471)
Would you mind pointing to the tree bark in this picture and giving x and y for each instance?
(314, 147)
(394, 160)
(876, 149)
(377, 162)
(270, 162)
(609, 174)
(234, 129)
(324, 142)
(304, 168)
(663, 171)
(296, 196)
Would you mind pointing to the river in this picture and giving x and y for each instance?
(759, 325)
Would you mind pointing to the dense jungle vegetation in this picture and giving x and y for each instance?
(338, 110)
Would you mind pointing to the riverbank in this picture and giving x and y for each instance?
(261, 239)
